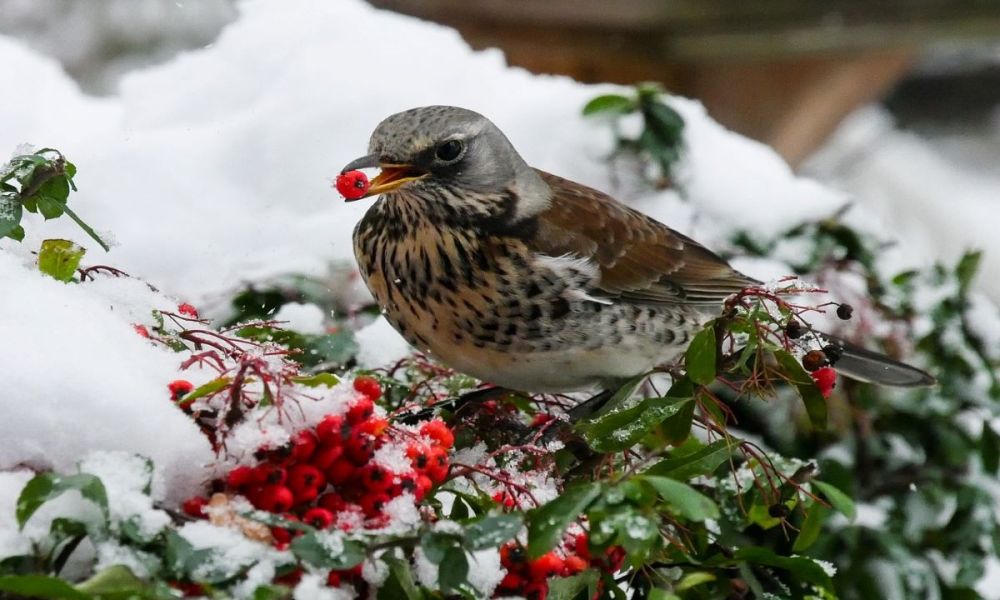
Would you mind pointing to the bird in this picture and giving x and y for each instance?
(530, 281)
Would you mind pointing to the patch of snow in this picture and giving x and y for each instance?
(379, 345)
(300, 317)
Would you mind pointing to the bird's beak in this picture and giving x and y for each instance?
(392, 176)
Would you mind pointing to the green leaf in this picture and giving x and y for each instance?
(60, 258)
(677, 428)
(702, 462)
(804, 569)
(609, 103)
(46, 486)
(436, 545)
(623, 429)
(65, 535)
(492, 530)
(838, 499)
(17, 234)
(327, 379)
(400, 583)
(568, 588)
(700, 356)
(812, 398)
(812, 526)
(989, 449)
(206, 389)
(50, 207)
(10, 214)
(684, 499)
(966, 269)
(337, 348)
(621, 396)
(56, 190)
(453, 571)
(547, 522)
(327, 550)
(115, 580)
(39, 586)
(694, 579)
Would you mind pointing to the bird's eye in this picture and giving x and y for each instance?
(449, 151)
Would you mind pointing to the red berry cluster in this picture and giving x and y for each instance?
(529, 578)
(325, 477)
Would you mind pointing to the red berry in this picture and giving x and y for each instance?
(369, 387)
(352, 185)
(187, 310)
(581, 545)
(373, 502)
(376, 478)
(419, 455)
(536, 590)
(320, 518)
(141, 330)
(325, 456)
(240, 477)
(331, 502)
(269, 474)
(179, 388)
(541, 419)
(545, 566)
(826, 380)
(331, 431)
(274, 498)
(512, 582)
(505, 499)
(438, 432)
(306, 496)
(281, 535)
(333, 579)
(512, 556)
(360, 447)
(304, 476)
(424, 485)
(375, 426)
(573, 565)
(341, 471)
(437, 468)
(303, 445)
(195, 507)
(362, 408)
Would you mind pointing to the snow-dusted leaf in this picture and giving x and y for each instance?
(492, 530)
(46, 486)
(702, 462)
(328, 550)
(60, 258)
(621, 395)
(546, 523)
(838, 499)
(569, 588)
(117, 581)
(803, 568)
(10, 213)
(623, 429)
(699, 359)
(38, 586)
(453, 573)
(400, 583)
(436, 544)
(684, 499)
(180, 557)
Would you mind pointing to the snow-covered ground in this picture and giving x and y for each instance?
(214, 169)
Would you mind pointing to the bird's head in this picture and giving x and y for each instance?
(437, 147)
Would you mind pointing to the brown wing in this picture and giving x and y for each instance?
(640, 259)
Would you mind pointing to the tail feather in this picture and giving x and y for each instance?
(872, 367)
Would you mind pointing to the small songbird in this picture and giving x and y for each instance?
(528, 280)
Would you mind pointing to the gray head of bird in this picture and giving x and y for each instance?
(432, 148)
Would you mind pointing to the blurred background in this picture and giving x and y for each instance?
(895, 102)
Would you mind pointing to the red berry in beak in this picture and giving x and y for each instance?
(352, 184)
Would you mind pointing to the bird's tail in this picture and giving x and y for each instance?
(872, 367)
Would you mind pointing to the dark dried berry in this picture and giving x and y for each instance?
(833, 353)
(814, 360)
(793, 329)
(778, 511)
(844, 311)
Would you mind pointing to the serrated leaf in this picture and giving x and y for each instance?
(623, 429)
(47, 486)
(702, 462)
(699, 359)
(492, 530)
(684, 499)
(608, 104)
(60, 258)
(547, 522)
(39, 586)
(838, 499)
(812, 526)
(327, 550)
(453, 572)
(813, 400)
